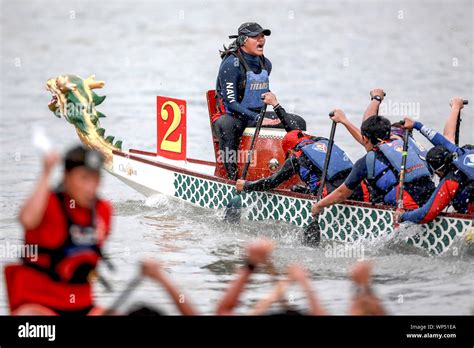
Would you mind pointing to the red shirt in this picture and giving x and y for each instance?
(27, 285)
(52, 231)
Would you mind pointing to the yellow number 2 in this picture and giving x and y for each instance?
(168, 145)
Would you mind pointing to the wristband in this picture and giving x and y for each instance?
(377, 97)
(250, 266)
(362, 290)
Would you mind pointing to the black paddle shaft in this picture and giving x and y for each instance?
(312, 232)
(403, 169)
(261, 116)
(232, 212)
(458, 124)
(322, 182)
(134, 282)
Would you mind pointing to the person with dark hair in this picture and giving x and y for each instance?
(455, 167)
(305, 156)
(396, 130)
(380, 167)
(242, 80)
(69, 225)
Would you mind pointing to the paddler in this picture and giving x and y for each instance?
(243, 78)
(380, 168)
(455, 167)
(69, 226)
(305, 156)
(377, 96)
(449, 131)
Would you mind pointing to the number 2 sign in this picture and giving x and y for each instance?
(171, 124)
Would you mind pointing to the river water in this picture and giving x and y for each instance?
(324, 54)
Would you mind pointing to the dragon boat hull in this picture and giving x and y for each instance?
(193, 181)
(201, 183)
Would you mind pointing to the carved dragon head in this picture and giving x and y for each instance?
(73, 98)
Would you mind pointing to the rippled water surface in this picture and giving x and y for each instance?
(324, 54)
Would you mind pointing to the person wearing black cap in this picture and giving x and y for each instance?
(455, 167)
(69, 226)
(242, 80)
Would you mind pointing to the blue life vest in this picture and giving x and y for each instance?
(385, 177)
(465, 163)
(418, 148)
(255, 85)
(316, 152)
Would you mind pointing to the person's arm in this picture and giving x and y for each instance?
(275, 295)
(340, 117)
(440, 198)
(450, 126)
(298, 274)
(364, 301)
(286, 171)
(337, 196)
(357, 174)
(152, 269)
(231, 297)
(270, 99)
(433, 136)
(373, 107)
(33, 209)
(229, 75)
(258, 252)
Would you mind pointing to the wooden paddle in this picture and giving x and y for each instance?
(232, 212)
(312, 232)
(458, 124)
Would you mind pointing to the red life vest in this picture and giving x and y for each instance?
(69, 244)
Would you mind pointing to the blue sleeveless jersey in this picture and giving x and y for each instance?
(387, 176)
(465, 163)
(316, 153)
(255, 86)
(416, 166)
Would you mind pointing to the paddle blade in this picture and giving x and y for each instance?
(232, 212)
(312, 234)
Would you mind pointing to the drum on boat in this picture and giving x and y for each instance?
(267, 157)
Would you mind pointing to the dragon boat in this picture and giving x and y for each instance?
(203, 183)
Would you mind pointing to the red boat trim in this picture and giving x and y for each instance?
(190, 160)
(173, 168)
(206, 163)
(141, 152)
(287, 193)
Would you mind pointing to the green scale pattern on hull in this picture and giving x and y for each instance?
(340, 222)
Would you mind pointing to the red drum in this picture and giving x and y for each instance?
(267, 157)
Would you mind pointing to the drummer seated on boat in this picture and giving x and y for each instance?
(455, 167)
(380, 167)
(305, 157)
(243, 78)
